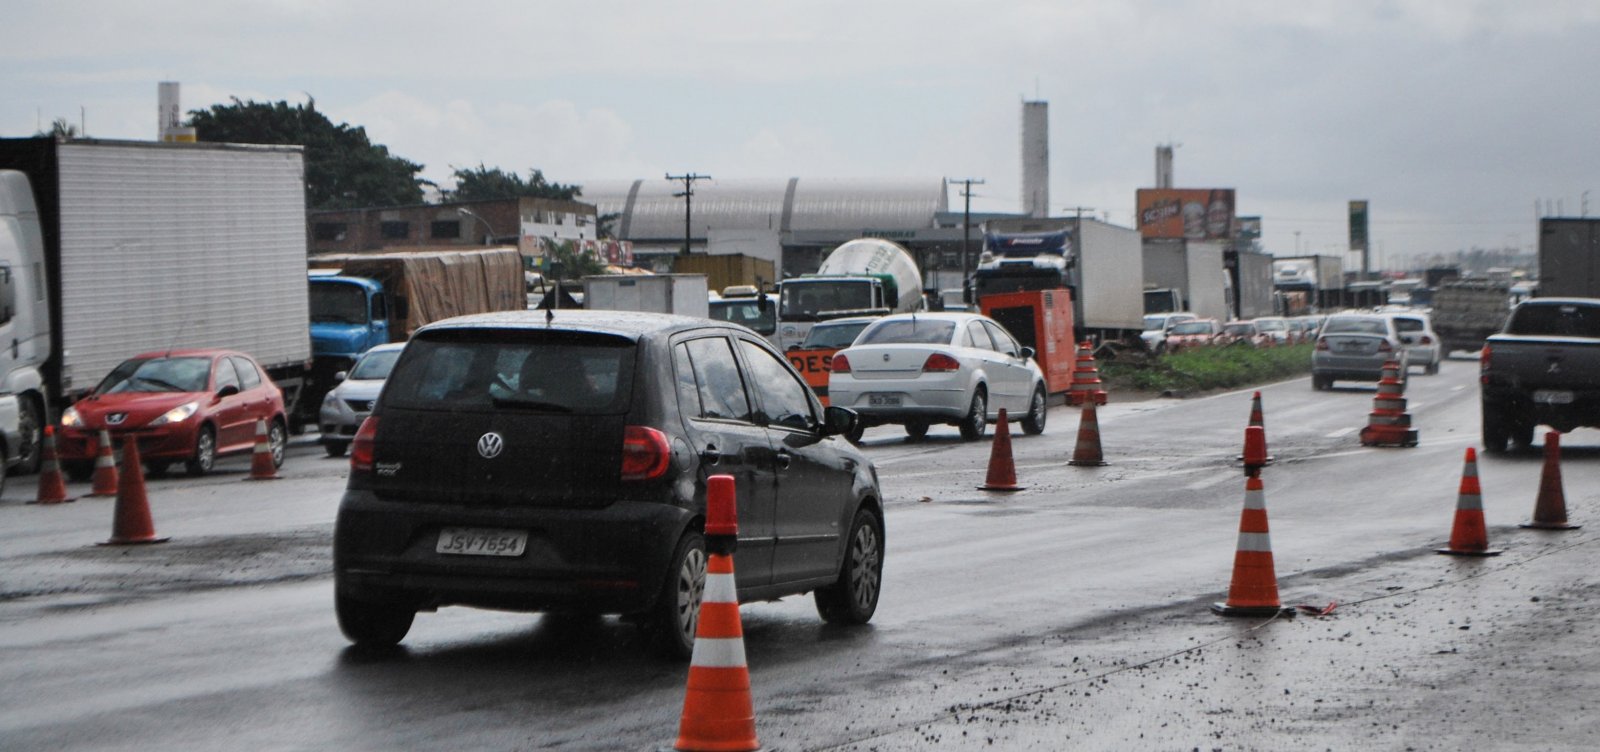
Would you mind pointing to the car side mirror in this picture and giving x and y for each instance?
(1027, 353)
(340, 376)
(838, 421)
(227, 391)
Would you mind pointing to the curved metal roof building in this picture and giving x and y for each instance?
(800, 210)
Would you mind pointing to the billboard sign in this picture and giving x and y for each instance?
(1186, 213)
(1358, 225)
(1249, 228)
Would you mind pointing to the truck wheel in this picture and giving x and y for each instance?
(205, 453)
(977, 418)
(1321, 383)
(336, 448)
(1038, 408)
(916, 430)
(1522, 434)
(30, 435)
(1495, 431)
(853, 598)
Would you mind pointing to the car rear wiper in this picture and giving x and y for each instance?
(530, 404)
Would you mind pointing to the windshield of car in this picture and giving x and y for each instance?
(334, 303)
(1192, 327)
(1238, 330)
(1270, 325)
(1556, 320)
(158, 375)
(918, 331)
(833, 335)
(375, 365)
(491, 369)
(1152, 323)
(1406, 324)
(1353, 325)
(746, 312)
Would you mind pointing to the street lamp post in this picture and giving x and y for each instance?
(488, 229)
(688, 179)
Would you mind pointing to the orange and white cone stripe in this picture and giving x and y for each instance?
(718, 715)
(105, 467)
(1469, 536)
(1254, 589)
(261, 465)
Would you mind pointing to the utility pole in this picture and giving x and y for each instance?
(688, 179)
(1079, 210)
(966, 226)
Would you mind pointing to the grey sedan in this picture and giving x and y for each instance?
(1354, 347)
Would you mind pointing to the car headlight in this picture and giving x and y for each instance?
(177, 414)
(70, 418)
(330, 400)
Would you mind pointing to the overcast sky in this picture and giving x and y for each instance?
(1452, 117)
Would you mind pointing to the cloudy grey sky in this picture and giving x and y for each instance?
(1453, 117)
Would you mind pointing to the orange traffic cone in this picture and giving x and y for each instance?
(261, 465)
(1255, 411)
(1086, 386)
(1389, 424)
(1469, 536)
(131, 521)
(1002, 471)
(1254, 590)
(1550, 510)
(1087, 452)
(105, 467)
(1255, 451)
(717, 710)
(52, 488)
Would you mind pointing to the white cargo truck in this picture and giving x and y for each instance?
(1101, 264)
(110, 249)
(682, 294)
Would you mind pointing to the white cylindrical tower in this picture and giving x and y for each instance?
(1036, 159)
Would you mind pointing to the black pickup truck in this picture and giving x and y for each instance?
(1543, 368)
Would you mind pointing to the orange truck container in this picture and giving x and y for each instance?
(1042, 320)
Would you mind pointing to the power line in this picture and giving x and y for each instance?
(688, 201)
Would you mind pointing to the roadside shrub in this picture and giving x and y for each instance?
(1205, 368)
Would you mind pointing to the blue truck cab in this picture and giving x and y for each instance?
(349, 315)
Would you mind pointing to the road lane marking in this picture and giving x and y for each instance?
(1338, 433)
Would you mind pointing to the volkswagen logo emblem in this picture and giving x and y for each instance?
(886, 357)
(490, 445)
(115, 419)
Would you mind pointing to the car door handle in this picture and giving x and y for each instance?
(783, 458)
(710, 455)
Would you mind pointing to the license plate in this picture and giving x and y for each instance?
(478, 541)
(1552, 396)
(883, 400)
(1351, 347)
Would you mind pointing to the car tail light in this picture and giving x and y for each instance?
(940, 362)
(1426, 340)
(1384, 346)
(841, 364)
(362, 446)
(645, 453)
(1483, 364)
(1322, 344)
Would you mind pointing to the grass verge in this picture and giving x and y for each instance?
(1205, 368)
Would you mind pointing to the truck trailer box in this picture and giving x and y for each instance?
(1252, 284)
(428, 285)
(1109, 278)
(152, 246)
(1569, 258)
(682, 294)
(1195, 269)
(727, 270)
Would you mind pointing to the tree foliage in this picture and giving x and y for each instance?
(489, 183)
(61, 129)
(568, 261)
(344, 169)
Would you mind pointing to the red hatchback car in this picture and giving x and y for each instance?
(188, 406)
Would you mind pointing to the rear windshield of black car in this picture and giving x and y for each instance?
(1556, 320)
(514, 370)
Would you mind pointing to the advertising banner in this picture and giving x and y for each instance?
(1358, 225)
(1186, 213)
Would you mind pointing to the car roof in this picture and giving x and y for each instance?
(199, 352)
(387, 346)
(630, 324)
(936, 316)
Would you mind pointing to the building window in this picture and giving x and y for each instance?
(394, 230)
(450, 229)
(329, 230)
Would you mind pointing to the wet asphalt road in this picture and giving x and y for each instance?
(1071, 615)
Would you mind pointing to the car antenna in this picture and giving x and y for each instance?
(549, 316)
(174, 341)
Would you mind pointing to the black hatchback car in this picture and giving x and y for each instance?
(557, 461)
